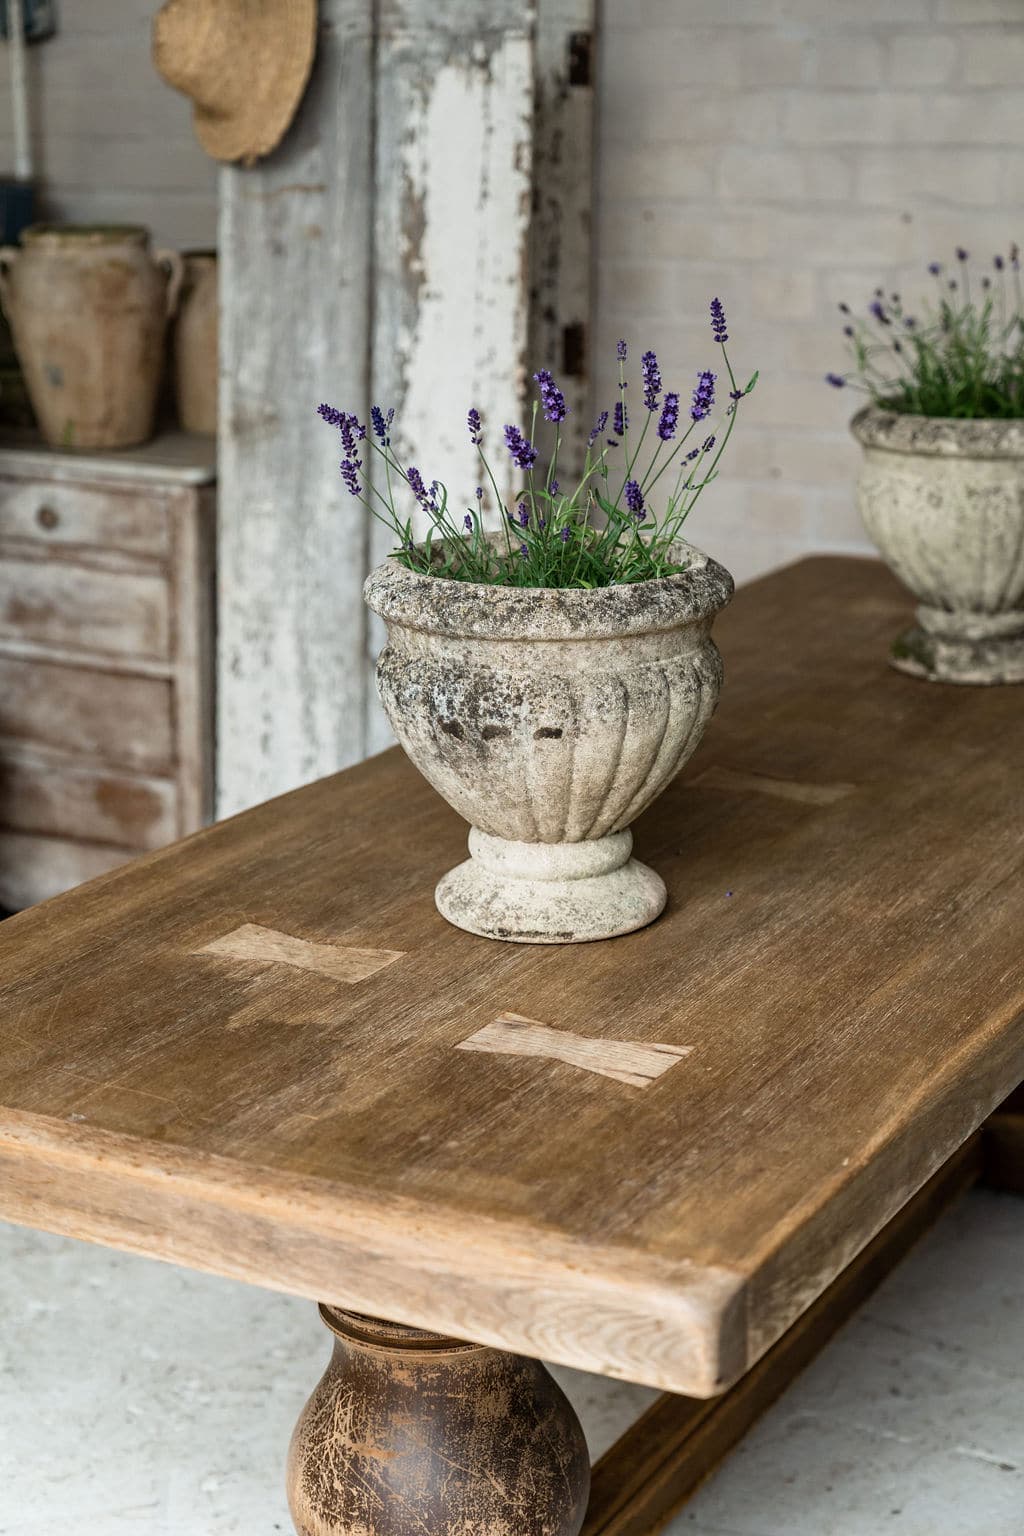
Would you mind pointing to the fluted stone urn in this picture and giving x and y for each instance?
(944, 501)
(550, 718)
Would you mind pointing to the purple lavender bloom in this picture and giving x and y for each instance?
(352, 430)
(524, 551)
(349, 473)
(377, 421)
(551, 397)
(524, 454)
(703, 395)
(620, 351)
(718, 329)
(961, 254)
(635, 500)
(998, 263)
(835, 379)
(847, 331)
(565, 534)
(467, 522)
(331, 415)
(598, 428)
(480, 493)
(877, 309)
(669, 417)
(417, 487)
(620, 421)
(553, 488)
(523, 514)
(475, 425)
(909, 322)
(708, 444)
(693, 454)
(735, 394)
(935, 267)
(651, 375)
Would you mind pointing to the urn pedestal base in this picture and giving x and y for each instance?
(972, 649)
(550, 893)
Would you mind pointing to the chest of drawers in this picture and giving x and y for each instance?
(106, 657)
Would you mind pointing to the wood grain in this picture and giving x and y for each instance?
(117, 613)
(268, 947)
(626, 1061)
(854, 1006)
(645, 1477)
(60, 513)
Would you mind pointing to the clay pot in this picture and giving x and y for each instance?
(550, 719)
(88, 308)
(195, 345)
(410, 1432)
(944, 501)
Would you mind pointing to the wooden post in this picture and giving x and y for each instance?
(410, 1432)
(415, 242)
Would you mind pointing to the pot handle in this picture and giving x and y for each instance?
(8, 253)
(175, 264)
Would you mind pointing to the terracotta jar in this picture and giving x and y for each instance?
(944, 501)
(88, 309)
(550, 719)
(195, 345)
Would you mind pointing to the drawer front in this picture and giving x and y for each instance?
(100, 805)
(54, 513)
(51, 602)
(34, 868)
(126, 722)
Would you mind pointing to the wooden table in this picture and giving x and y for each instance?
(262, 1052)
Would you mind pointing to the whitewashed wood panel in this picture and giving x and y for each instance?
(47, 794)
(55, 512)
(35, 868)
(99, 715)
(295, 235)
(55, 602)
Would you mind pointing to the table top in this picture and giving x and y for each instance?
(243, 1053)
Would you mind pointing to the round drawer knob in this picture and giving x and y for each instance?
(46, 517)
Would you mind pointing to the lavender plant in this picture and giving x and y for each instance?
(962, 356)
(597, 530)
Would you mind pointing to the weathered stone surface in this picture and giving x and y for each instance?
(944, 502)
(550, 719)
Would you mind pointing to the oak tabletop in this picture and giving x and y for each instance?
(262, 1052)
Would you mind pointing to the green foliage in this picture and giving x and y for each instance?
(963, 356)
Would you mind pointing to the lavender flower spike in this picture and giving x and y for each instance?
(635, 500)
(331, 415)
(598, 428)
(669, 417)
(620, 420)
(552, 398)
(703, 395)
(380, 423)
(620, 351)
(417, 487)
(718, 329)
(651, 380)
(836, 380)
(349, 473)
(475, 425)
(523, 453)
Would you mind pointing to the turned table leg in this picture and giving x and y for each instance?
(413, 1434)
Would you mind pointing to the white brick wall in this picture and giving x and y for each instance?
(786, 154)
(113, 143)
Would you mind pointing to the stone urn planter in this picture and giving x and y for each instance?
(550, 718)
(88, 309)
(944, 501)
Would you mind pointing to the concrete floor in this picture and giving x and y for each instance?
(140, 1398)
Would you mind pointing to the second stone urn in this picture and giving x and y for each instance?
(550, 718)
(944, 501)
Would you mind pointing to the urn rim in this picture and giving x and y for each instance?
(475, 610)
(981, 437)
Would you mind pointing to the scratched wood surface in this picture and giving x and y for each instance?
(841, 957)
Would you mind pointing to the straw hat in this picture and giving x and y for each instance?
(243, 63)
